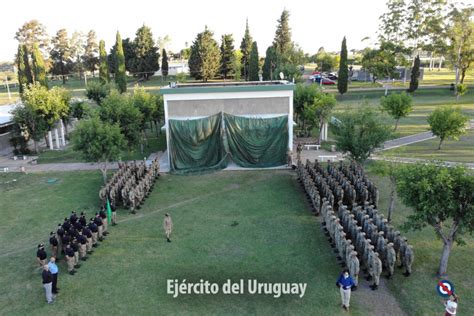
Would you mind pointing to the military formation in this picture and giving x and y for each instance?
(130, 185)
(360, 235)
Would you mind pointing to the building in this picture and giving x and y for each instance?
(209, 126)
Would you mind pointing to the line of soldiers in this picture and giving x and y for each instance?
(130, 185)
(348, 230)
(75, 238)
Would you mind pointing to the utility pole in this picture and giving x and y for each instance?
(8, 89)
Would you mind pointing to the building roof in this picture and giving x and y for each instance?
(249, 86)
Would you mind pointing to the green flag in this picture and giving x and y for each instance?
(109, 212)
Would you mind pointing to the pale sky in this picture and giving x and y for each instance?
(314, 23)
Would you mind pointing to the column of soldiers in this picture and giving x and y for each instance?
(75, 239)
(130, 185)
(356, 232)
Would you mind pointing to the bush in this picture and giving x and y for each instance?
(97, 92)
(80, 110)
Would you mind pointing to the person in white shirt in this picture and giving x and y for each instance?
(451, 305)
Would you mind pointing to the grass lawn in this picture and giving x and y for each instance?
(451, 150)
(417, 294)
(155, 144)
(228, 225)
(424, 102)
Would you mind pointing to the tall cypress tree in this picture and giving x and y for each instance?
(415, 74)
(103, 65)
(282, 40)
(26, 60)
(38, 66)
(269, 65)
(245, 48)
(227, 55)
(343, 74)
(120, 77)
(164, 64)
(20, 63)
(204, 60)
(254, 67)
(145, 53)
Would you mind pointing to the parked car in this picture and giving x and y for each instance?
(326, 81)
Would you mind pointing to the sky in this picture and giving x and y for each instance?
(313, 23)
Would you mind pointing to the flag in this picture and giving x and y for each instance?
(109, 212)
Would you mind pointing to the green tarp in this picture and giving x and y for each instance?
(201, 145)
(197, 145)
(257, 142)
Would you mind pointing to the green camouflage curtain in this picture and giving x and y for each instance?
(196, 145)
(257, 142)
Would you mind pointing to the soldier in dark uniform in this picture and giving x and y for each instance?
(66, 225)
(83, 220)
(82, 241)
(103, 215)
(70, 259)
(95, 231)
(75, 248)
(73, 218)
(98, 222)
(60, 234)
(88, 234)
(53, 242)
(41, 255)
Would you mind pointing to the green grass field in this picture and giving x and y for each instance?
(451, 150)
(228, 225)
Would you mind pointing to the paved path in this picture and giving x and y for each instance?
(415, 160)
(403, 141)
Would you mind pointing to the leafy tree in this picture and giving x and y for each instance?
(245, 49)
(447, 121)
(441, 197)
(227, 55)
(359, 132)
(380, 63)
(32, 32)
(415, 74)
(81, 110)
(60, 54)
(392, 22)
(387, 169)
(303, 96)
(237, 64)
(97, 91)
(270, 63)
(461, 89)
(98, 141)
(205, 56)
(164, 64)
(146, 55)
(282, 41)
(147, 104)
(77, 45)
(22, 62)
(343, 74)
(129, 53)
(30, 122)
(91, 52)
(117, 109)
(103, 65)
(397, 105)
(38, 66)
(326, 62)
(253, 65)
(120, 77)
(318, 111)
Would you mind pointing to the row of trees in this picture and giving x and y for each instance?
(208, 60)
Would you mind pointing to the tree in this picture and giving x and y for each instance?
(103, 65)
(359, 132)
(32, 32)
(380, 63)
(60, 54)
(282, 41)
(318, 111)
(387, 169)
(91, 52)
(303, 96)
(146, 55)
(205, 56)
(447, 121)
(343, 74)
(77, 47)
(117, 109)
(24, 72)
(98, 141)
(415, 74)
(227, 55)
(38, 66)
(30, 122)
(164, 64)
(392, 22)
(97, 91)
(441, 197)
(397, 105)
(269, 65)
(237, 64)
(120, 77)
(254, 67)
(147, 105)
(245, 49)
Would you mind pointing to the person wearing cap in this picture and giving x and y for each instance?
(100, 226)
(83, 220)
(105, 225)
(82, 242)
(60, 234)
(408, 259)
(70, 259)
(95, 231)
(47, 283)
(88, 234)
(53, 242)
(168, 226)
(114, 215)
(75, 248)
(41, 255)
(345, 284)
(354, 269)
(451, 305)
(73, 218)
(53, 268)
(390, 257)
(376, 270)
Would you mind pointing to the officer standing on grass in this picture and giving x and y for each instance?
(168, 226)
(41, 255)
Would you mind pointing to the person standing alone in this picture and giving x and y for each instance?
(345, 284)
(47, 283)
(168, 226)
